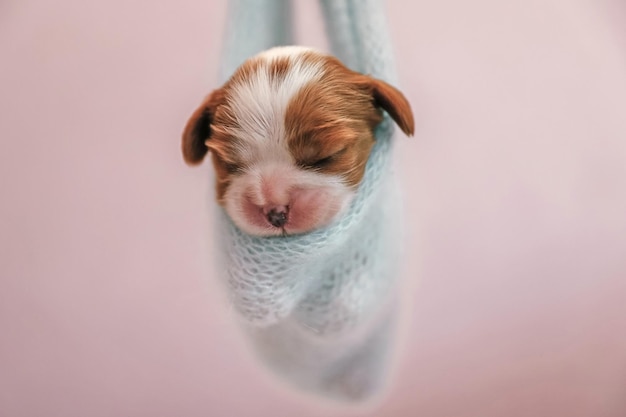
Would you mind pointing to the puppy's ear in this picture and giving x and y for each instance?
(393, 102)
(198, 129)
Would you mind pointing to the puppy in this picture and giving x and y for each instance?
(290, 133)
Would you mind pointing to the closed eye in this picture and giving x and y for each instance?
(320, 163)
(233, 168)
(324, 162)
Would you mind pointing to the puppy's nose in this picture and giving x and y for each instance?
(277, 216)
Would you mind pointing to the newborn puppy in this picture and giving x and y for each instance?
(290, 133)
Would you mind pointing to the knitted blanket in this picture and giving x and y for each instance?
(318, 307)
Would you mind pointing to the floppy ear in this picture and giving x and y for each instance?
(198, 129)
(393, 102)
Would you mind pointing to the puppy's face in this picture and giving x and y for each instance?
(290, 134)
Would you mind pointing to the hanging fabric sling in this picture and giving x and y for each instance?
(319, 309)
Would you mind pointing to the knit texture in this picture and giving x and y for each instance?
(318, 306)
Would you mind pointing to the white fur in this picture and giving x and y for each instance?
(284, 51)
(259, 105)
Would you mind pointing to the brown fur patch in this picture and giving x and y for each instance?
(329, 123)
(198, 128)
(278, 69)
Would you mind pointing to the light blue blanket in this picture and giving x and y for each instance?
(318, 307)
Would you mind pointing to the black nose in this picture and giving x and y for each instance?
(277, 217)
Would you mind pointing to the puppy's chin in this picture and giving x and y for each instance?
(304, 208)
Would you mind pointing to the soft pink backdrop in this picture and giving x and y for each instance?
(515, 189)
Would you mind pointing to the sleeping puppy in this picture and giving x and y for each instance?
(290, 133)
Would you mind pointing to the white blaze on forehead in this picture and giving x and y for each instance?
(284, 51)
(260, 101)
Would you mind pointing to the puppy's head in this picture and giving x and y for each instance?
(290, 134)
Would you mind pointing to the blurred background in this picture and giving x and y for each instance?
(515, 189)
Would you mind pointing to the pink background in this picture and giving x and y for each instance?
(515, 189)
